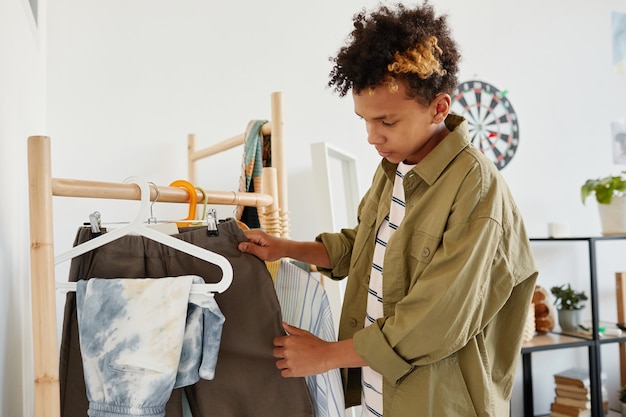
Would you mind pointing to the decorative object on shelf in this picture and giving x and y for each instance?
(545, 311)
(610, 195)
(569, 304)
(622, 399)
(492, 121)
(529, 325)
(558, 230)
(573, 394)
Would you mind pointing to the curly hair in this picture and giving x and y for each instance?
(391, 45)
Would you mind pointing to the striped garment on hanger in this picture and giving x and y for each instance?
(304, 304)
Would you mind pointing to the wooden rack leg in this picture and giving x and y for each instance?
(191, 163)
(620, 288)
(46, 361)
(270, 219)
(278, 160)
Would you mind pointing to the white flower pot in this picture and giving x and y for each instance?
(613, 216)
(570, 319)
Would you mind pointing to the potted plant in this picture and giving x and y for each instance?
(610, 194)
(569, 304)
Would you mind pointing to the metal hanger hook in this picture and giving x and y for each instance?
(153, 219)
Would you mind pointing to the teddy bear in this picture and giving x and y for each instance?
(545, 311)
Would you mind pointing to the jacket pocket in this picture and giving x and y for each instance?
(433, 391)
(366, 229)
(423, 248)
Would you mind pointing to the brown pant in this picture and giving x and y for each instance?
(247, 382)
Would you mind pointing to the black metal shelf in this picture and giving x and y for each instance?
(553, 341)
(592, 342)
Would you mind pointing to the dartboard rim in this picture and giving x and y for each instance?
(469, 87)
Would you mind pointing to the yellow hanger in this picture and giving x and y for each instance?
(193, 200)
(205, 200)
(242, 225)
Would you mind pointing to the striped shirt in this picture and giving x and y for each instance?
(372, 401)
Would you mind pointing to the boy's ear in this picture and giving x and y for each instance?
(442, 107)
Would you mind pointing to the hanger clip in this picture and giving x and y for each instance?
(95, 222)
(211, 221)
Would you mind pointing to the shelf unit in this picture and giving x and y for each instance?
(593, 342)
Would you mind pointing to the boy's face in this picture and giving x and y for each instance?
(401, 129)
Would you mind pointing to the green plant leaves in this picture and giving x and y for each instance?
(604, 188)
(567, 298)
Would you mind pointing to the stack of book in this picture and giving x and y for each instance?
(573, 394)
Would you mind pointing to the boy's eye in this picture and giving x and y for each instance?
(388, 124)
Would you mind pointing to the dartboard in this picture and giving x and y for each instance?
(492, 121)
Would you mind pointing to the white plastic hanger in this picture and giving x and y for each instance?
(137, 226)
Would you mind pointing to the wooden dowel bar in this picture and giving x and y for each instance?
(120, 191)
(226, 144)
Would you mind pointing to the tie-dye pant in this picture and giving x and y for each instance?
(140, 338)
(246, 382)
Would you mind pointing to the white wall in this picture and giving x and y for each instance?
(22, 113)
(128, 80)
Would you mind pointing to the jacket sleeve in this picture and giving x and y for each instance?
(339, 247)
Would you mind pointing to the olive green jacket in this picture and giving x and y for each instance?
(458, 279)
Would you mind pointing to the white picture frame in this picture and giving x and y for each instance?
(336, 186)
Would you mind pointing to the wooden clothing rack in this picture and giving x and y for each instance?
(42, 187)
(274, 218)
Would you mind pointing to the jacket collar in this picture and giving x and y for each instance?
(431, 167)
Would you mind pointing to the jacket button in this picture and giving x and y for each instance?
(352, 322)
(425, 252)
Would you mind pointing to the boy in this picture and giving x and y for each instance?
(440, 269)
